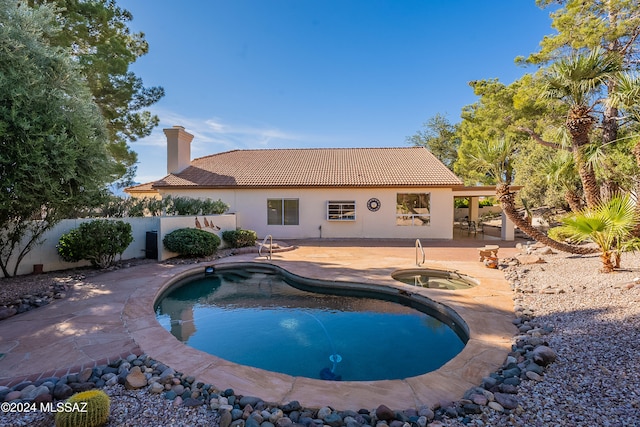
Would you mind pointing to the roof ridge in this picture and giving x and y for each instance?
(307, 149)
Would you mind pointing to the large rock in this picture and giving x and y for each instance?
(166, 376)
(324, 412)
(35, 392)
(225, 419)
(543, 355)
(136, 379)
(190, 402)
(6, 312)
(156, 388)
(62, 391)
(384, 413)
(84, 376)
(13, 395)
(507, 401)
(249, 400)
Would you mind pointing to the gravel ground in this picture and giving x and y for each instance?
(594, 382)
(596, 379)
(129, 408)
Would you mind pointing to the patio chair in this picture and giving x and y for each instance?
(472, 228)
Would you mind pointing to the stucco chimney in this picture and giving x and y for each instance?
(178, 149)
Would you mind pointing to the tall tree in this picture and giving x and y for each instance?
(495, 160)
(491, 142)
(610, 25)
(578, 81)
(439, 136)
(627, 98)
(97, 32)
(52, 135)
(498, 114)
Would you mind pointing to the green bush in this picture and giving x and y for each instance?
(189, 206)
(560, 234)
(97, 241)
(191, 242)
(239, 238)
(87, 409)
(489, 201)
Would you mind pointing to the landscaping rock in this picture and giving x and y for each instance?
(544, 355)
(62, 391)
(135, 379)
(530, 259)
(507, 401)
(6, 312)
(384, 413)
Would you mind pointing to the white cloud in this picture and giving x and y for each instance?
(213, 135)
(226, 135)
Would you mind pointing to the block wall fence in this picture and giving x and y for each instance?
(45, 256)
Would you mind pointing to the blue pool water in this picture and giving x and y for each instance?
(254, 317)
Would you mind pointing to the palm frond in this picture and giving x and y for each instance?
(578, 77)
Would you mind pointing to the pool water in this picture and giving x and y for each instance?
(256, 318)
(434, 280)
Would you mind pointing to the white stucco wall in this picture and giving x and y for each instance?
(47, 253)
(171, 223)
(250, 208)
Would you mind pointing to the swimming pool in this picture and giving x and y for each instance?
(262, 316)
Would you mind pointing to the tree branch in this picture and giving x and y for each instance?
(539, 140)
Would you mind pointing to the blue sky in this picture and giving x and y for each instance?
(243, 74)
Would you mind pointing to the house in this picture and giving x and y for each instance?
(401, 192)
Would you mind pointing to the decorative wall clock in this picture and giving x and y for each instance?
(373, 204)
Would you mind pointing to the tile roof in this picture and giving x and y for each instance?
(315, 167)
(146, 187)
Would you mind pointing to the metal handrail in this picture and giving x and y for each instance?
(264, 242)
(419, 245)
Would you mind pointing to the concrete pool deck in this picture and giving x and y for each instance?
(114, 316)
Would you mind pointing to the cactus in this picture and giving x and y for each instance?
(86, 409)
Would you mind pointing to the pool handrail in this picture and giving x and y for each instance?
(419, 245)
(264, 242)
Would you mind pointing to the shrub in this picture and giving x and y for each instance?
(191, 242)
(189, 206)
(239, 238)
(559, 234)
(97, 241)
(87, 409)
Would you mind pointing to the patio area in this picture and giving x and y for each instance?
(112, 316)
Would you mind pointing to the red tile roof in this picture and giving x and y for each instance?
(315, 167)
(142, 188)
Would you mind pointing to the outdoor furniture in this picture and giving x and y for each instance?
(488, 252)
(468, 226)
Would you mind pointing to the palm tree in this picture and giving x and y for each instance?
(495, 158)
(578, 80)
(561, 170)
(627, 98)
(507, 202)
(610, 226)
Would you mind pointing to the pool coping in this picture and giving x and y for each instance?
(487, 310)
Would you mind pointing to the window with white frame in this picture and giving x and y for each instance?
(413, 209)
(341, 210)
(283, 211)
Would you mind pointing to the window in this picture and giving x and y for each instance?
(341, 211)
(282, 211)
(413, 209)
